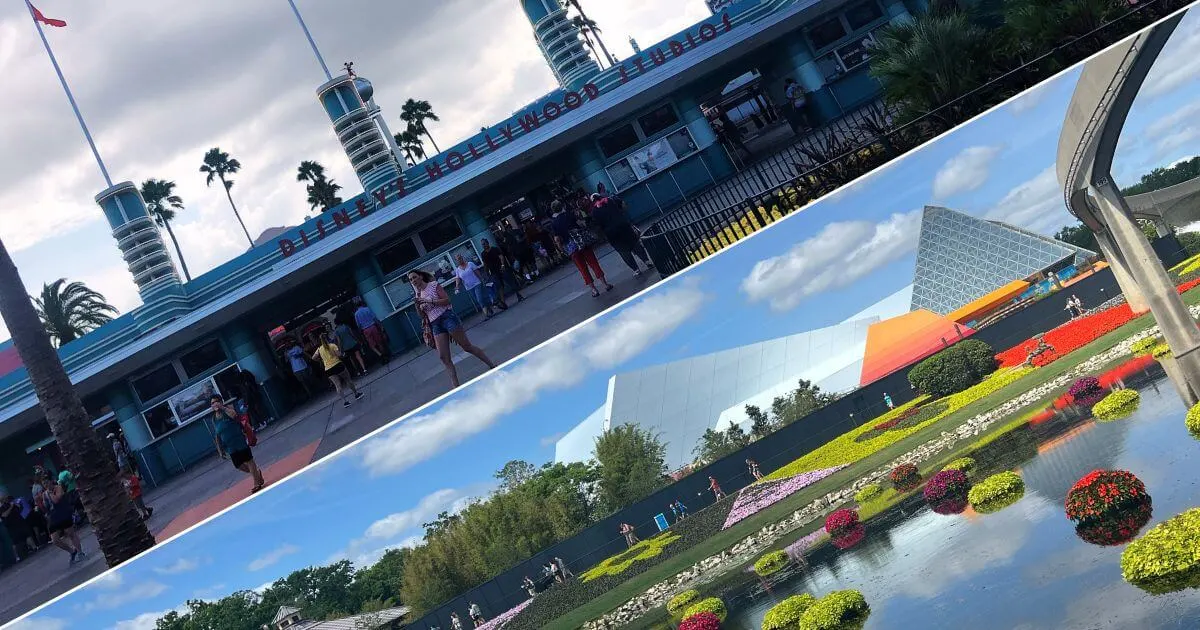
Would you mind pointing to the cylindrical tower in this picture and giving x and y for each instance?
(360, 128)
(560, 43)
(142, 247)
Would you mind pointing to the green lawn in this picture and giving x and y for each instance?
(614, 598)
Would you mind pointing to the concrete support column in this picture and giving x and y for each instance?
(370, 286)
(1162, 227)
(248, 351)
(1129, 288)
(1169, 311)
(129, 415)
(475, 225)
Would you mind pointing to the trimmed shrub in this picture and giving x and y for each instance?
(840, 522)
(701, 621)
(1161, 351)
(1193, 421)
(1117, 405)
(838, 610)
(712, 605)
(848, 538)
(771, 563)
(870, 492)
(1116, 527)
(1086, 391)
(997, 492)
(954, 369)
(1164, 560)
(786, 614)
(965, 464)
(1145, 346)
(1102, 491)
(680, 602)
(946, 484)
(905, 477)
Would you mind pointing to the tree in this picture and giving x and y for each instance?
(383, 580)
(323, 194)
(412, 145)
(163, 204)
(416, 113)
(1163, 177)
(714, 444)
(761, 424)
(322, 592)
(803, 400)
(70, 311)
(595, 31)
(310, 171)
(218, 166)
(514, 474)
(588, 29)
(1034, 27)
(632, 465)
(1078, 235)
(120, 530)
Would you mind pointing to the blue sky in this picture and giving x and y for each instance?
(792, 277)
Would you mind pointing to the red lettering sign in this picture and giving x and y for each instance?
(286, 247)
(529, 121)
(677, 48)
(362, 207)
(455, 160)
(708, 32)
(658, 57)
(551, 110)
(572, 100)
(434, 169)
(492, 146)
(341, 218)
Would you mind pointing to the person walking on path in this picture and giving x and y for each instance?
(120, 453)
(441, 323)
(455, 622)
(887, 400)
(574, 239)
(682, 508)
(562, 568)
(372, 329)
(529, 586)
(796, 102)
(252, 394)
(716, 488)
(754, 472)
(231, 442)
(60, 518)
(330, 357)
(476, 614)
(300, 368)
(500, 267)
(348, 342)
(133, 486)
(467, 276)
(609, 213)
(630, 534)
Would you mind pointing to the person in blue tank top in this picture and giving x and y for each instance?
(231, 442)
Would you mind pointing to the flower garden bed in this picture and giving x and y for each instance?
(710, 606)
(841, 522)
(996, 492)
(1117, 405)
(869, 493)
(1165, 559)
(1069, 337)
(786, 614)
(846, 449)
(642, 551)
(759, 496)
(965, 464)
(907, 420)
(501, 620)
(701, 621)
(839, 610)
(682, 601)
(1086, 391)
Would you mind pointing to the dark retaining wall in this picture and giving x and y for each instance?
(601, 540)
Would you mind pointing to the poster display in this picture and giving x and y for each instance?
(651, 159)
(400, 292)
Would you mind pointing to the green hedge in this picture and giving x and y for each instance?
(839, 610)
(712, 605)
(786, 614)
(771, 563)
(1164, 559)
(996, 492)
(680, 602)
(954, 369)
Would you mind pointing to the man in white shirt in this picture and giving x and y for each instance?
(468, 275)
(796, 102)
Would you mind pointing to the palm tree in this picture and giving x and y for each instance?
(588, 28)
(323, 193)
(163, 203)
(70, 311)
(579, 9)
(121, 532)
(411, 144)
(416, 114)
(1034, 27)
(310, 171)
(219, 166)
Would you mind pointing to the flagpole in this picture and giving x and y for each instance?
(70, 97)
(311, 42)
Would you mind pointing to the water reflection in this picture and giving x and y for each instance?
(1027, 566)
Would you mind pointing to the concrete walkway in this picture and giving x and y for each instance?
(553, 304)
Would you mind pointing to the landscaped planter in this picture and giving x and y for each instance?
(996, 492)
(839, 610)
(949, 506)
(771, 563)
(868, 493)
(711, 605)
(947, 484)
(680, 602)
(1116, 527)
(701, 621)
(1193, 421)
(786, 614)
(1165, 559)
(965, 464)
(1117, 405)
(841, 522)
(1086, 392)
(905, 477)
(1102, 492)
(641, 552)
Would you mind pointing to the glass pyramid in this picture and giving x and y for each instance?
(961, 258)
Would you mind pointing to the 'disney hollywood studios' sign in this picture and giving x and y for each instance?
(449, 162)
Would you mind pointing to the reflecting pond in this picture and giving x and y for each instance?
(1024, 566)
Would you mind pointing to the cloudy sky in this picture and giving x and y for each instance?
(160, 83)
(784, 280)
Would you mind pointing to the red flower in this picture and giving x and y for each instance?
(841, 521)
(851, 537)
(905, 477)
(1069, 337)
(1102, 492)
(701, 621)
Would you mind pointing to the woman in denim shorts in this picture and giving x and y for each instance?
(433, 301)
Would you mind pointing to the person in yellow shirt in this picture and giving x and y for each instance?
(330, 357)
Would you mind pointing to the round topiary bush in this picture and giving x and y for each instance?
(997, 492)
(954, 369)
(680, 602)
(1086, 391)
(1116, 527)
(771, 563)
(839, 610)
(1144, 346)
(1165, 559)
(1193, 421)
(965, 464)
(946, 484)
(1103, 491)
(701, 621)
(1161, 351)
(905, 477)
(868, 493)
(840, 522)
(712, 605)
(786, 614)
(1117, 405)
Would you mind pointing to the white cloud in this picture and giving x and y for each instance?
(38, 623)
(382, 534)
(272, 557)
(126, 594)
(964, 172)
(1030, 99)
(839, 255)
(1036, 204)
(1176, 66)
(182, 565)
(146, 621)
(601, 344)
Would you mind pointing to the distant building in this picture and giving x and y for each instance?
(961, 258)
(292, 618)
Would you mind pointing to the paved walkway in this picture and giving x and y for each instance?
(552, 305)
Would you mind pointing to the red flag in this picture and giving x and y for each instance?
(37, 15)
